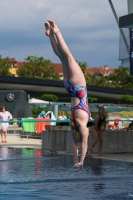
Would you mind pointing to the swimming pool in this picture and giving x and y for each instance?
(29, 174)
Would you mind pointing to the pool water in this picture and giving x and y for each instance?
(29, 174)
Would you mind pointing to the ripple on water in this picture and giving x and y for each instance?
(27, 174)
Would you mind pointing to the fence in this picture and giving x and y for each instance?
(30, 127)
(15, 126)
(58, 138)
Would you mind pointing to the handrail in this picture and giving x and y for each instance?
(58, 121)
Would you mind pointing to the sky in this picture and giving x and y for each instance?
(88, 26)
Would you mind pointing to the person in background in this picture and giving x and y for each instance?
(4, 116)
(62, 116)
(41, 115)
(75, 84)
(50, 115)
(42, 122)
(97, 129)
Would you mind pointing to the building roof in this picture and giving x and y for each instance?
(97, 71)
(19, 64)
(100, 71)
(13, 60)
(58, 67)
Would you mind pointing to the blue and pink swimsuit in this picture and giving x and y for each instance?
(79, 92)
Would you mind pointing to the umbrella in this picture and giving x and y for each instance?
(37, 101)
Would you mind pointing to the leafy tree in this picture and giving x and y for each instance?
(38, 67)
(49, 97)
(89, 78)
(93, 80)
(36, 111)
(120, 78)
(127, 98)
(83, 66)
(92, 99)
(5, 65)
(101, 81)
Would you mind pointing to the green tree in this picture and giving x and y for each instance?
(127, 98)
(49, 97)
(83, 66)
(92, 99)
(89, 78)
(5, 65)
(38, 67)
(36, 111)
(93, 80)
(120, 78)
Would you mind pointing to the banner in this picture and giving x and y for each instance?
(131, 51)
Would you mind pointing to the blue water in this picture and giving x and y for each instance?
(29, 174)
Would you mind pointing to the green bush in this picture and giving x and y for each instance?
(127, 98)
(126, 114)
(49, 97)
(93, 114)
(37, 111)
(65, 113)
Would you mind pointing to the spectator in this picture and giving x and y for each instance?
(97, 130)
(41, 115)
(4, 116)
(62, 116)
(50, 115)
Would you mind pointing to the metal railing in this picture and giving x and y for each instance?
(16, 126)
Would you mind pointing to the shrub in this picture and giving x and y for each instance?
(126, 114)
(93, 114)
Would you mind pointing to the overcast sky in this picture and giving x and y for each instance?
(88, 26)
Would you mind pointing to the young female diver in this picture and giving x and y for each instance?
(75, 84)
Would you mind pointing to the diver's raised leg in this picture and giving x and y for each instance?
(75, 72)
(56, 50)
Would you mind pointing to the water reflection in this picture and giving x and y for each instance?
(19, 164)
(96, 169)
(52, 175)
(96, 166)
(99, 188)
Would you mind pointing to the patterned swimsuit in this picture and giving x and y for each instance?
(79, 92)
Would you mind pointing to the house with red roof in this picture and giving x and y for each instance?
(97, 71)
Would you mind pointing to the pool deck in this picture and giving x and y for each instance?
(14, 141)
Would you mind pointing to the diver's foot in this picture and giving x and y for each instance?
(47, 27)
(54, 27)
(78, 164)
